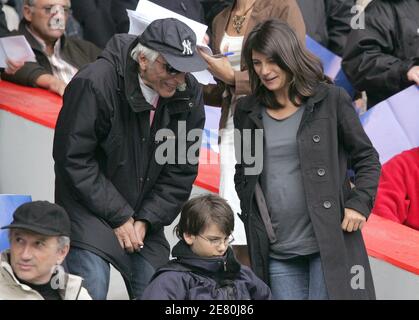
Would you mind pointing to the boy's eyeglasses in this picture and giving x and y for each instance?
(169, 69)
(217, 242)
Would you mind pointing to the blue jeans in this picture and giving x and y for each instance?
(96, 272)
(299, 278)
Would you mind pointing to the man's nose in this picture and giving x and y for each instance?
(26, 253)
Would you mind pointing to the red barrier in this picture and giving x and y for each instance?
(41, 106)
(392, 242)
(37, 105)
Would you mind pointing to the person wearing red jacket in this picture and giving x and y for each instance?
(398, 190)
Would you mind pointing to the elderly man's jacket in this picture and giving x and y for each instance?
(105, 154)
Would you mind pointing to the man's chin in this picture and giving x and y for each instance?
(167, 93)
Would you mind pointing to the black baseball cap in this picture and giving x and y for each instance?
(41, 217)
(176, 42)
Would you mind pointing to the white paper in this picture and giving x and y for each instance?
(146, 12)
(15, 48)
(204, 77)
(150, 11)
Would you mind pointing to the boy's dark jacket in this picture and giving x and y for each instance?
(191, 277)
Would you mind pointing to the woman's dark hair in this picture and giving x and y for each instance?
(199, 212)
(278, 41)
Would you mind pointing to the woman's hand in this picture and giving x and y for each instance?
(219, 68)
(353, 220)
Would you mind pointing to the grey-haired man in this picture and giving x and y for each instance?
(39, 242)
(111, 174)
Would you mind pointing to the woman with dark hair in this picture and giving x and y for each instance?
(230, 29)
(302, 217)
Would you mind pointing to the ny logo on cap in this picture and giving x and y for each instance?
(187, 48)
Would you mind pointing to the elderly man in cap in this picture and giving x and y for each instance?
(39, 242)
(126, 151)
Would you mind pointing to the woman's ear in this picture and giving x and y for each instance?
(189, 238)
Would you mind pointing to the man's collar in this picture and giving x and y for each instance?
(7, 267)
(149, 94)
(37, 42)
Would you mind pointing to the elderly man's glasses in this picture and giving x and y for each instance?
(169, 69)
(48, 10)
(217, 242)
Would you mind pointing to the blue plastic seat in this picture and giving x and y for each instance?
(8, 205)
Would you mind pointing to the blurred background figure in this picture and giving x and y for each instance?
(398, 190)
(10, 15)
(95, 19)
(383, 58)
(3, 23)
(188, 8)
(328, 22)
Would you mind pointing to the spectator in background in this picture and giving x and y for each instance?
(229, 30)
(95, 19)
(111, 172)
(72, 27)
(383, 57)
(212, 8)
(204, 267)
(4, 31)
(12, 66)
(12, 17)
(58, 57)
(39, 242)
(398, 190)
(328, 22)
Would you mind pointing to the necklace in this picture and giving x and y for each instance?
(239, 20)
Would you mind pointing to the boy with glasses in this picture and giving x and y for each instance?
(204, 267)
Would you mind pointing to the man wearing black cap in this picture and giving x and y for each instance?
(39, 242)
(118, 183)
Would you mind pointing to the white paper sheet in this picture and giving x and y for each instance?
(15, 48)
(150, 11)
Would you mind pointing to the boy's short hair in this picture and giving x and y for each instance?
(199, 212)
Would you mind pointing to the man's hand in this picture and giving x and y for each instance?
(13, 66)
(51, 83)
(353, 220)
(127, 237)
(140, 228)
(57, 86)
(413, 74)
